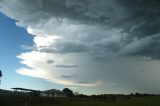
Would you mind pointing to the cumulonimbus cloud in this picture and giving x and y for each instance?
(87, 41)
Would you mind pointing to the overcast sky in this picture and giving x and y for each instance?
(93, 46)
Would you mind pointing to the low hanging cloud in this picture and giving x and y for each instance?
(66, 66)
(50, 61)
(91, 43)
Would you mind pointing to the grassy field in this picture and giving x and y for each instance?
(43, 101)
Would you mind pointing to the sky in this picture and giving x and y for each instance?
(89, 46)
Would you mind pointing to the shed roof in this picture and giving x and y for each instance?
(24, 89)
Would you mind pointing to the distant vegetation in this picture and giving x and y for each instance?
(83, 100)
(68, 92)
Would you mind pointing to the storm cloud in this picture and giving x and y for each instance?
(50, 61)
(66, 66)
(101, 42)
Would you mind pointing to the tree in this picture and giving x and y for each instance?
(68, 92)
(0, 73)
(0, 76)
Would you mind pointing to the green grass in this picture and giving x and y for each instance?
(45, 101)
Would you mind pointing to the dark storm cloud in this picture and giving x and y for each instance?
(66, 66)
(86, 82)
(152, 49)
(71, 46)
(70, 9)
(142, 21)
(146, 47)
(137, 18)
(143, 17)
(145, 59)
(66, 76)
(50, 61)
